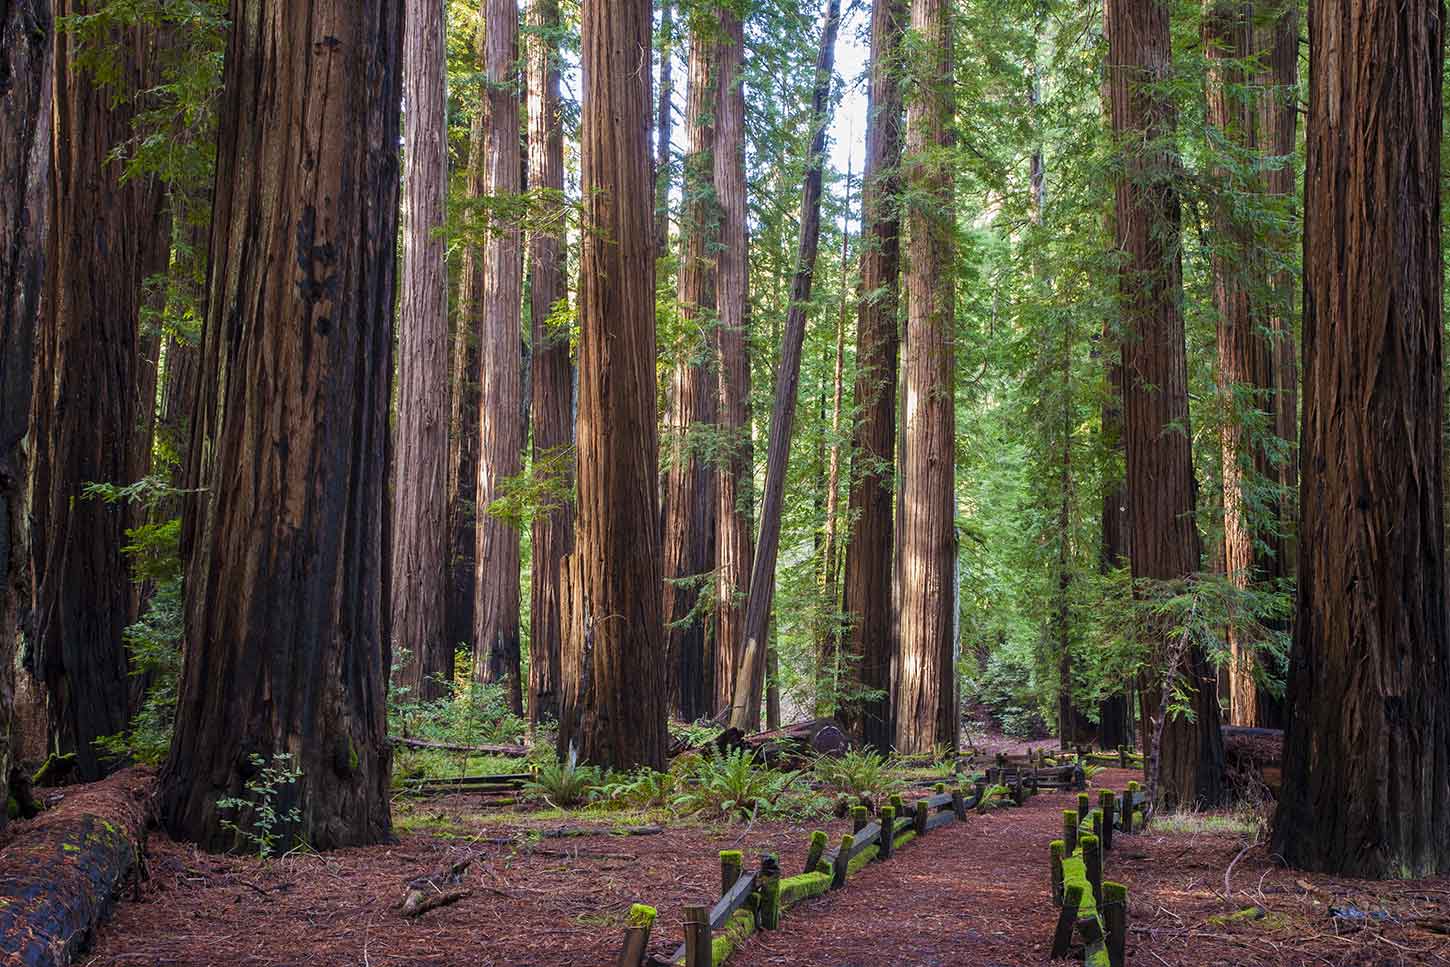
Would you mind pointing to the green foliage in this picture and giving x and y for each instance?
(644, 788)
(731, 785)
(544, 486)
(261, 816)
(860, 773)
(565, 784)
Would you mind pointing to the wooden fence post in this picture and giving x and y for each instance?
(1055, 850)
(817, 850)
(1092, 860)
(698, 942)
(768, 883)
(921, 817)
(1115, 919)
(1066, 920)
(1126, 822)
(959, 804)
(732, 864)
(838, 871)
(1069, 831)
(1106, 802)
(1083, 806)
(858, 818)
(888, 832)
(638, 925)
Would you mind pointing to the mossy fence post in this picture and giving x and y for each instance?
(1115, 919)
(732, 864)
(698, 947)
(888, 832)
(638, 924)
(768, 883)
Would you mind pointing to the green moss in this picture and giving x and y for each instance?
(641, 915)
(794, 889)
(903, 839)
(352, 759)
(734, 855)
(740, 925)
(70, 847)
(860, 861)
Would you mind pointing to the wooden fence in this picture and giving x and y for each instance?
(755, 900)
(1093, 908)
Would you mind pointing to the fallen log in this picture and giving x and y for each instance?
(61, 872)
(424, 893)
(407, 743)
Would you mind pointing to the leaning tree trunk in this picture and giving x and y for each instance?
(1161, 493)
(828, 647)
(1367, 748)
(735, 482)
(750, 677)
(1115, 727)
(552, 382)
(613, 709)
(501, 387)
(88, 411)
(688, 521)
(420, 494)
(926, 707)
(26, 35)
(286, 615)
(866, 589)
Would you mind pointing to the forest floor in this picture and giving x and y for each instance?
(973, 893)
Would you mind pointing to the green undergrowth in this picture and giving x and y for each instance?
(1188, 823)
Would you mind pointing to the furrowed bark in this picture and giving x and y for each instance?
(287, 625)
(1160, 482)
(553, 372)
(613, 710)
(501, 386)
(419, 590)
(866, 591)
(1370, 668)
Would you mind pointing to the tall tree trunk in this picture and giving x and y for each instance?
(926, 709)
(613, 709)
(26, 36)
(689, 491)
(866, 592)
(1278, 120)
(1245, 354)
(828, 650)
(501, 386)
(419, 591)
(464, 407)
(89, 412)
(287, 624)
(750, 677)
(735, 484)
(1160, 482)
(1370, 670)
(552, 381)
(664, 126)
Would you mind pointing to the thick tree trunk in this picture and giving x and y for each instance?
(1160, 482)
(1367, 748)
(735, 483)
(866, 592)
(496, 657)
(420, 494)
(926, 708)
(287, 625)
(26, 35)
(463, 425)
(89, 409)
(613, 709)
(552, 382)
(689, 488)
(750, 677)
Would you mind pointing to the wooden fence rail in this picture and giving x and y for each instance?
(1090, 906)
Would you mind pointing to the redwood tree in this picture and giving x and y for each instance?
(553, 373)
(1367, 748)
(1165, 547)
(688, 521)
(286, 614)
(86, 406)
(926, 703)
(501, 384)
(420, 522)
(26, 35)
(613, 709)
(735, 483)
(866, 593)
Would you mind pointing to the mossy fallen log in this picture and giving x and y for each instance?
(63, 870)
